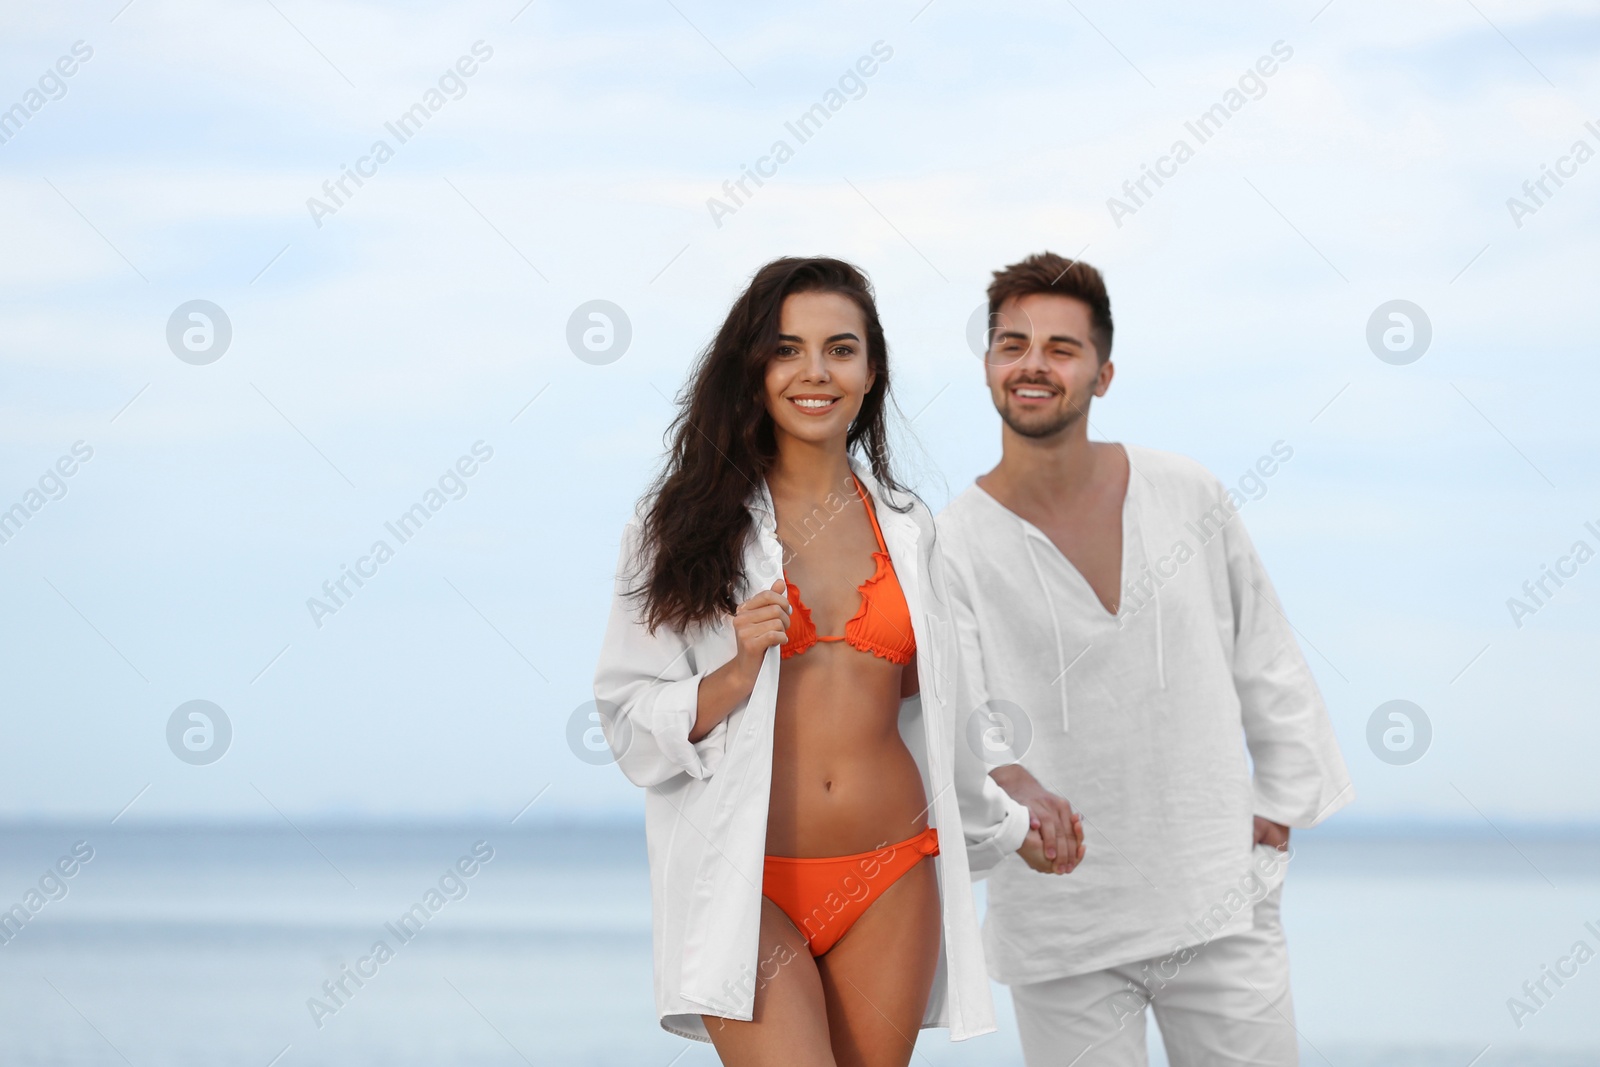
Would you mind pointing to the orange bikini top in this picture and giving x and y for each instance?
(882, 625)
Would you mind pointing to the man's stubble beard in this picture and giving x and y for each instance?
(1043, 429)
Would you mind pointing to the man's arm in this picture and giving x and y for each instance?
(1300, 776)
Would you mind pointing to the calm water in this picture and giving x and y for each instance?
(178, 946)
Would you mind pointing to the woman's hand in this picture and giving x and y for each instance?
(1032, 852)
(758, 624)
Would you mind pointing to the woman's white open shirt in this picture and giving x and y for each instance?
(706, 801)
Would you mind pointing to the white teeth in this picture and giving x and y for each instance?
(813, 403)
(1033, 392)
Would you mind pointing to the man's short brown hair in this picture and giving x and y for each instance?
(1046, 272)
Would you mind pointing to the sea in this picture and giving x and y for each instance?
(257, 946)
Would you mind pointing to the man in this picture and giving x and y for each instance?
(1119, 632)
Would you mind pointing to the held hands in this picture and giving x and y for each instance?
(1032, 851)
(1054, 844)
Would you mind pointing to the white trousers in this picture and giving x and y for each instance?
(1225, 1002)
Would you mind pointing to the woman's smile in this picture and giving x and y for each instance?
(814, 403)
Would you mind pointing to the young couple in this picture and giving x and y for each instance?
(808, 677)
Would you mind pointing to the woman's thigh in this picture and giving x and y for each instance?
(878, 976)
(791, 1019)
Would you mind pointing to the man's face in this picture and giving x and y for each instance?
(1041, 366)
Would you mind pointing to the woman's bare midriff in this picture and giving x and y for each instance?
(843, 780)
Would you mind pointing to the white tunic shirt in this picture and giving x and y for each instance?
(1148, 720)
(706, 801)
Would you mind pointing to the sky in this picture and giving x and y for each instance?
(386, 338)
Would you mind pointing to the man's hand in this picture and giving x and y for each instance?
(1272, 833)
(1059, 828)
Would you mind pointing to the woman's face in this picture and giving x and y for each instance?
(818, 374)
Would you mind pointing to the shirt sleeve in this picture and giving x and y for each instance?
(1300, 776)
(647, 692)
(993, 824)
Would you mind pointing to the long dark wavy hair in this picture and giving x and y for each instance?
(722, 443)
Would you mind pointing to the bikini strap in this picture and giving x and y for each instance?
(866, 498)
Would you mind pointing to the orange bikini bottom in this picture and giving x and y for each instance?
(824, 895)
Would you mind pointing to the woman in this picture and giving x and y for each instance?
(809, 870)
